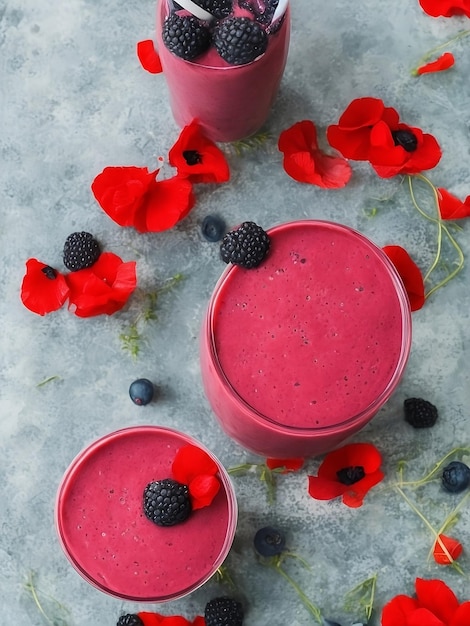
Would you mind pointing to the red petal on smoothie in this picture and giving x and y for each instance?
(189, 462)
(198, 158)
(43, 289)
(444, 545)
(166, 203)
(444, 62)
(409, 273)
(287, 465)
(148, 57)
(436, 596)
(450, 207)
(306, 163)
(203, 490)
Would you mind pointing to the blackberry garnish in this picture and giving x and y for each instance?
(166, 502)
(456, 477)
(81, 250)
(217, 8)
(406, 139)
(262, 11)
(240, 40)
(420, 413)
(246, 246)
(130, 619)
(223, 611)
(269, 541)
(185, 36)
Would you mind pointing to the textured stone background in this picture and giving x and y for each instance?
(74, 100)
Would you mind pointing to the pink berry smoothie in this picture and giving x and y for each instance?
(106, 536)
(230, 102)
(300, 353)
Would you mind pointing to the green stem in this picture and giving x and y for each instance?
(426, 57)
(430, 475)
(314, 610)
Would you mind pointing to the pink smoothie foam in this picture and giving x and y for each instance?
(302, 351)
(105, 534)
(230, 102)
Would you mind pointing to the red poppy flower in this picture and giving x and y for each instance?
(409, 273)
(435, 605)
(445, 547)
(102, 288)
(132, 196)
(198, 158)
(148, 57)
(350, 472)
(306, 163)
(369, 131)
(43, 289)
(450, 207)
(155, 619)
(444, 62)
(445, 8)
(195, 468)
(287, 465)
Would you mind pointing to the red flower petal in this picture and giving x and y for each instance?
(288, 465)
(165, 204)
(148, 57)
(423, 617)
(453, 547)
(461, 616)
(103, 288)
(198, 621)
(444, 62)
(396, 611)
(198, 158)
(355, 494)
(43, 288)
(203, 489)
(150, 619)
(324, 489)
(174, 620)
(350, 455)
(445, 8)
(450, 207)
(120, 191)
(409, 273)
(436, 596)
(189, 462)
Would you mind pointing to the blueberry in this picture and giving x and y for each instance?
(213, 228)
(141, 391)
(456, 477)
(269, 541)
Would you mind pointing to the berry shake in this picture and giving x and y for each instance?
(300, 352)
(107, 536)
(225, 71)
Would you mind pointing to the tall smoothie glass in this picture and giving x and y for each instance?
(300, 353)
(229, 101)
(108, 539)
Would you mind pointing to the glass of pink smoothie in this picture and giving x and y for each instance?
(301, 352)
(230, 102)
(104, 532)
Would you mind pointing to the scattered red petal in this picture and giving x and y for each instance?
(306, 163)
(395, 612)
(288, 465)
(444, 62)
(203, 489)
(103, 288)
(148, 57)
(43, 289)
(150, 619)
(198, 158)
(450, 207)
(409, 273)
(437, 597)
(453, 547)
(445, 8)
(198, 621)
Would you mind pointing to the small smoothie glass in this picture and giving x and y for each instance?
(300, 353)
(107, 537)
(230, 102)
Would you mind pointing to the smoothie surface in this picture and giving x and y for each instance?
(106, 534)
(312, 336)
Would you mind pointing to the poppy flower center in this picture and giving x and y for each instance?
(406, 139)
(192, 157)
(49, 272)
(350, 475)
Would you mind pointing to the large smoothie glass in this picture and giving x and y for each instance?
(230, 102)
(104, 532)
(300, 353)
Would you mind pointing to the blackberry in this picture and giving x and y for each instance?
(456, 477)
(223, 611)
(263, 12)
(420, 413)
(239, 40)
(185, 36)
(246, 246)
(130, 619)
(166, 502)
(217, 8)
(81, 250)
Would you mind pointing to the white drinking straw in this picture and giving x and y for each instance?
(280, 10)
(196, 10)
